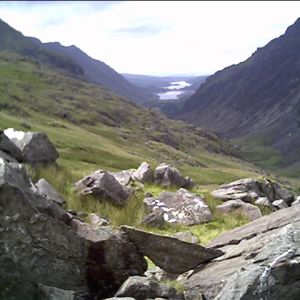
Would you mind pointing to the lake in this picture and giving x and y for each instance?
(174, 90)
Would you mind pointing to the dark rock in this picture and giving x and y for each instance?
(297, 201)
(181, 207)
(141, 288)
(154, 219)
(9, 148)
(170, 254)
(47, 190)
(36, 148)
(250, 211)
(103, 186)
(168, 176)
(143, 174)
(37, 247)
(261, 261)
(7, 157)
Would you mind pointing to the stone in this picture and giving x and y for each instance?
(186, 236)
(181, 207)
(159, 274)
(38, 247)
(263, 201)
(7, 157)
(46, 189)
(296, 202)
(280, 204)
(141, 288)
(96, 220)
(166, 176)
(170, 254)
(9, 148)
(250, 190)
(261, 261)
(35, 147)
(250, 211)
(124, 177)
(143, 174)
(103, 186)
(154, 219)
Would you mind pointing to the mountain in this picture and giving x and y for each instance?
(256, 103)
(71, 60)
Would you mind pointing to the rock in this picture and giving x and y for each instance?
(250, 211)
(170, 254)
(35, 147)
(297, 201)
(103, 186)
(186, 236)
(181, 207)
(47, 190)
(7, 157)
(166, 175)
(249, 190)
(148, 195)
(192, 295)
(120, 298)
(155, 219)
(9, 148)
(159, 274)
(124, 177)
(143, 174)
(280, 204)
(261, 261)
(38, 248)
(141, 288)
(96, 220)
(263, 201)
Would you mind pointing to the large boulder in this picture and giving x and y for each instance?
(250, 211)
(166, 176)
(46, 189)
(143, 173)
(170, 254)
(9, 148)
(261, 261)
(181, 207)
(250, 190)
(103, 186)
(124, 177)
(37, 247)
(141, 288)
(35, 147)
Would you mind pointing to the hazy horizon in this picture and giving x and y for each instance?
(176, 38)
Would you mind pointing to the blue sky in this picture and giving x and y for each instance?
(156, 37)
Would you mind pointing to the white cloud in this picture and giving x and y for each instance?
(160, 37)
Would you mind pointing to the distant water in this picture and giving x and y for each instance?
(173, 90)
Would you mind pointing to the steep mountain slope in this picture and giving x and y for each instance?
(257, 100)
(93, 128)
(70, 60)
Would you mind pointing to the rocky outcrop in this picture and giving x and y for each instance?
(166, 175)
(103, 186)
(261, 261)
(170, 254)
(46, 189)
(9, 148)
(181, 207)
(141, 288)
(35, 147)
(37, 247)
(250, 211)
(250, 190)
(143, 174)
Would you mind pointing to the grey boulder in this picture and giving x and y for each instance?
(46, 189)
(170, 254)
(124, 177)
(141, 288)
(143, 174)
(103, 186)
(9, 148)
(35, 147)
(250, 211)
(181, 207)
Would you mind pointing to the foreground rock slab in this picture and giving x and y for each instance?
(261, 261)
(181, 207)
(9, 148)
(170, 254)
(103, 186)
(141, 288)
(35, 147)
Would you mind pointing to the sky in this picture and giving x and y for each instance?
(156, 37)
